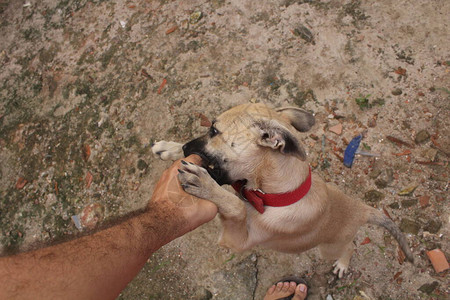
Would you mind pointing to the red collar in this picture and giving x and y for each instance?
(259, 199)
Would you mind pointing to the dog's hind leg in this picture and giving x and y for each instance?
(168, 150)
(340, 251)
(235, 235)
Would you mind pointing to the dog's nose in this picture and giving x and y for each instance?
(194, 146)
(186, 149)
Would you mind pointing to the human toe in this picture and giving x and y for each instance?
(300, 292)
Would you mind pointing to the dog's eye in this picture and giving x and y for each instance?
(213, 131)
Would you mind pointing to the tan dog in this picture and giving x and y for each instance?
(255, 143)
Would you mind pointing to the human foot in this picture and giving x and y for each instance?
(285, 289)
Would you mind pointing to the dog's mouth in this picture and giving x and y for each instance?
(212, 164)
(214, 168)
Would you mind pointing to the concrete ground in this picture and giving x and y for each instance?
(87, 86)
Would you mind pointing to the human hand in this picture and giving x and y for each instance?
(169, 191)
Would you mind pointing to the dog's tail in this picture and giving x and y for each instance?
(378, 218)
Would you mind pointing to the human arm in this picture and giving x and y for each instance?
(100, 265)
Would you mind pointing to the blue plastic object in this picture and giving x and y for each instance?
(349, 154)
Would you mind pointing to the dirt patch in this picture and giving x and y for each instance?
(77, 73)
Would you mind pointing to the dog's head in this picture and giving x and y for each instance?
(241, 137)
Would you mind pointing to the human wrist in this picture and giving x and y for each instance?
(160, 223)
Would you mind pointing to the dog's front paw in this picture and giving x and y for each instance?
(340, 268)
(196, 181)
(168, 150)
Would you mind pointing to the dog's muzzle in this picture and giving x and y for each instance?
(212, 164)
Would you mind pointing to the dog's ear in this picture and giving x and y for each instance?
(299, 118)
(274, 135)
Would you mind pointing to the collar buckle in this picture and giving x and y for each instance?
(241, 193)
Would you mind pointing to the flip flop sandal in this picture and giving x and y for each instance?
(297, 280)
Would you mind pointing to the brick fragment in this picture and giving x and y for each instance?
(438, 260)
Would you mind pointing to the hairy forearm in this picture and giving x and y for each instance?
(98, 266)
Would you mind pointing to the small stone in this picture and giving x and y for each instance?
(195, 17)
(373, 196)
(424, 201)
(304, 33)
(397, 92)
(430, 154)
(409, 202)
(422, 136)
(76, 221)
(433, 226)
(381, 183)
(375, 173)
(142, 165)
(21, 182)
(204, 121)
(428, 288)
(88, 179)
(336, 129)
(394, 205)
(130, 125)
(86, 152)
(389, 175)
(314, 137)
(407, 191)
(92, 215)
(409, 226)
(438, 260)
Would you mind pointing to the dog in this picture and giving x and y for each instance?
(279, 204)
